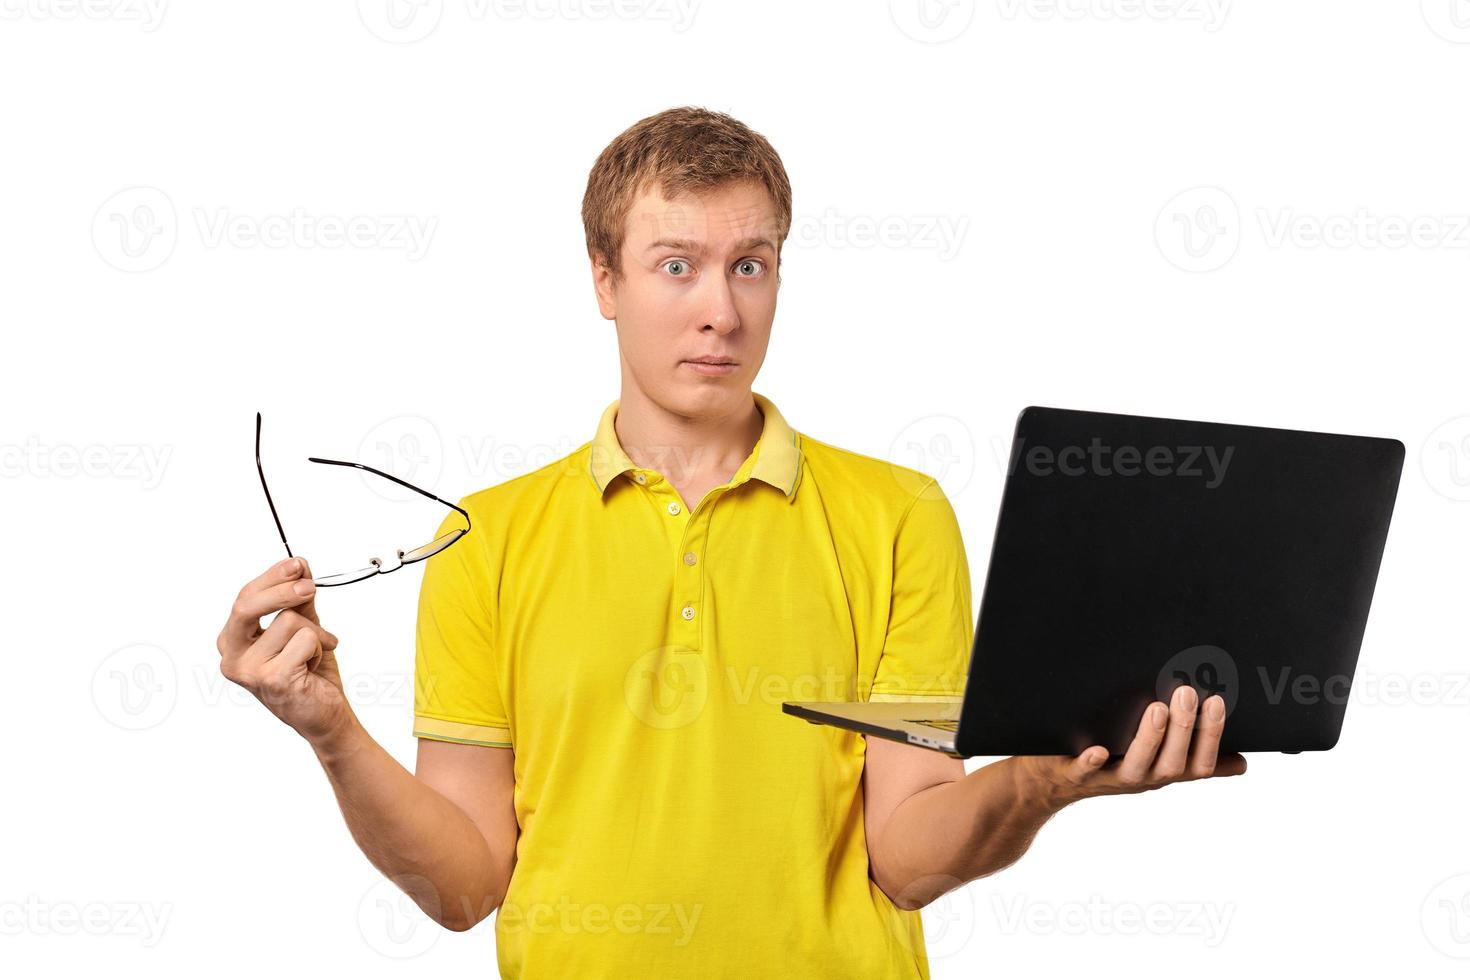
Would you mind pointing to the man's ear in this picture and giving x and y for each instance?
(605, 285)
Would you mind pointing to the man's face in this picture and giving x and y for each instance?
(699, 280)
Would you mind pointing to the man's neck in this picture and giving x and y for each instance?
(692, 454)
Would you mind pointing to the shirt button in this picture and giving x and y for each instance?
(673, 508)
(689, 558)
(687, 612)
(641, 478)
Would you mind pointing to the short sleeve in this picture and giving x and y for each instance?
(926, 652)
(456, 692)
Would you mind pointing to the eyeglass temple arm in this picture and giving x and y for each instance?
(401, 483)
(261, 470)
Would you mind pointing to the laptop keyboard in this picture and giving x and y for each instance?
(944, 724)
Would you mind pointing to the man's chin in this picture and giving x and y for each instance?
(699, 397)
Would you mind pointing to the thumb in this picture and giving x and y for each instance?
(307, 608)
(1092, 758)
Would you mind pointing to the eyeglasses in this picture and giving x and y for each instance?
(375, 566)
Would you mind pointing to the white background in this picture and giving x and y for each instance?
(1245, 212)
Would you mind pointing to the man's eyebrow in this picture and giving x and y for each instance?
(685, 245)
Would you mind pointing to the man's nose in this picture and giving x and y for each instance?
(719, 305)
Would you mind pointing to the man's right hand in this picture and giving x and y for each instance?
(289, 666)
(1175, 742)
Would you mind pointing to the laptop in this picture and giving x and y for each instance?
(1133, 555)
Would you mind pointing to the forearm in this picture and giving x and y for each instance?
(411, 833)
(955, 832)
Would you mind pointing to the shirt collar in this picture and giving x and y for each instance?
(777, 452)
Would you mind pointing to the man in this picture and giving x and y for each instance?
(600, 663)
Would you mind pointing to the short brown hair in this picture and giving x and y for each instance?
(683, 149)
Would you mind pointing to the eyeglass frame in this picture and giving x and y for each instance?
(377, 563)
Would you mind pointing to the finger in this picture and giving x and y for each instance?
(301, 580)
(1174, 754)
(290, 570)
(244, 622)
(281, 571)
(300, 647)
(268, 645)
(242, 625)
(1139, 758)
(1207, 733)
(307, 608)
(291, 620)
(1232, 764)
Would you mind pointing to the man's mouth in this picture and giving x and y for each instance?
(711, 367)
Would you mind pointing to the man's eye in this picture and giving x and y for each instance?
(676, 267)
(749, 267)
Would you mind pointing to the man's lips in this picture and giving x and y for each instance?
(713, 368)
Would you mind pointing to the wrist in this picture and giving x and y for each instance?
(1038, 784)
(337, 741)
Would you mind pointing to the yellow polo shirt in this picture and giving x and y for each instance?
(633, 650)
